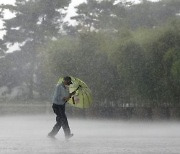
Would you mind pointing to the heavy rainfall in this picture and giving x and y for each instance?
(114, 66)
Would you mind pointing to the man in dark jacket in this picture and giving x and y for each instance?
(61, 96)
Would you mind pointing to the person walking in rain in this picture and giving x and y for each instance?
(61, 96)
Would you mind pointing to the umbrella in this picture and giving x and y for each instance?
(83, 97)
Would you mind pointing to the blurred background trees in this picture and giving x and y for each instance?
(128, 54)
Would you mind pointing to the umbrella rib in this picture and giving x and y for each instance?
(87, 96)
(83, 99)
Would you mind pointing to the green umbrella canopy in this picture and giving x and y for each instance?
(83, 96)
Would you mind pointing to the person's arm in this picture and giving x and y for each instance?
(70, 95)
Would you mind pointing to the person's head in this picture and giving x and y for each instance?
(67, 80)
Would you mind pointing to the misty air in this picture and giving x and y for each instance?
(89, 76)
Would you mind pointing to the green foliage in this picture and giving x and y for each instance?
(113, 15)
(130, 62)
(101, 15)
(126, 53)
(35, 23)
(83, 59)
(162, 55)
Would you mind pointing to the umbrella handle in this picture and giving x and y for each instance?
(77, 89)
(73, 100)
(75, 92)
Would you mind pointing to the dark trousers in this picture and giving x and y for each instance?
(61, 120)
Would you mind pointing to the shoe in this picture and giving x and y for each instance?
(51, 136)
(69, 136)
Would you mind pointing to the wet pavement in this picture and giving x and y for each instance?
(28, 135)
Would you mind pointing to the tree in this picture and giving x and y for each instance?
(85, 60)
(2, 46)
(162, 56)
(130, 62)
(35, 23)
(151, 14)
(113, 15)
(100, 15)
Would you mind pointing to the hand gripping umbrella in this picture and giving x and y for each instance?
(83, 97)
